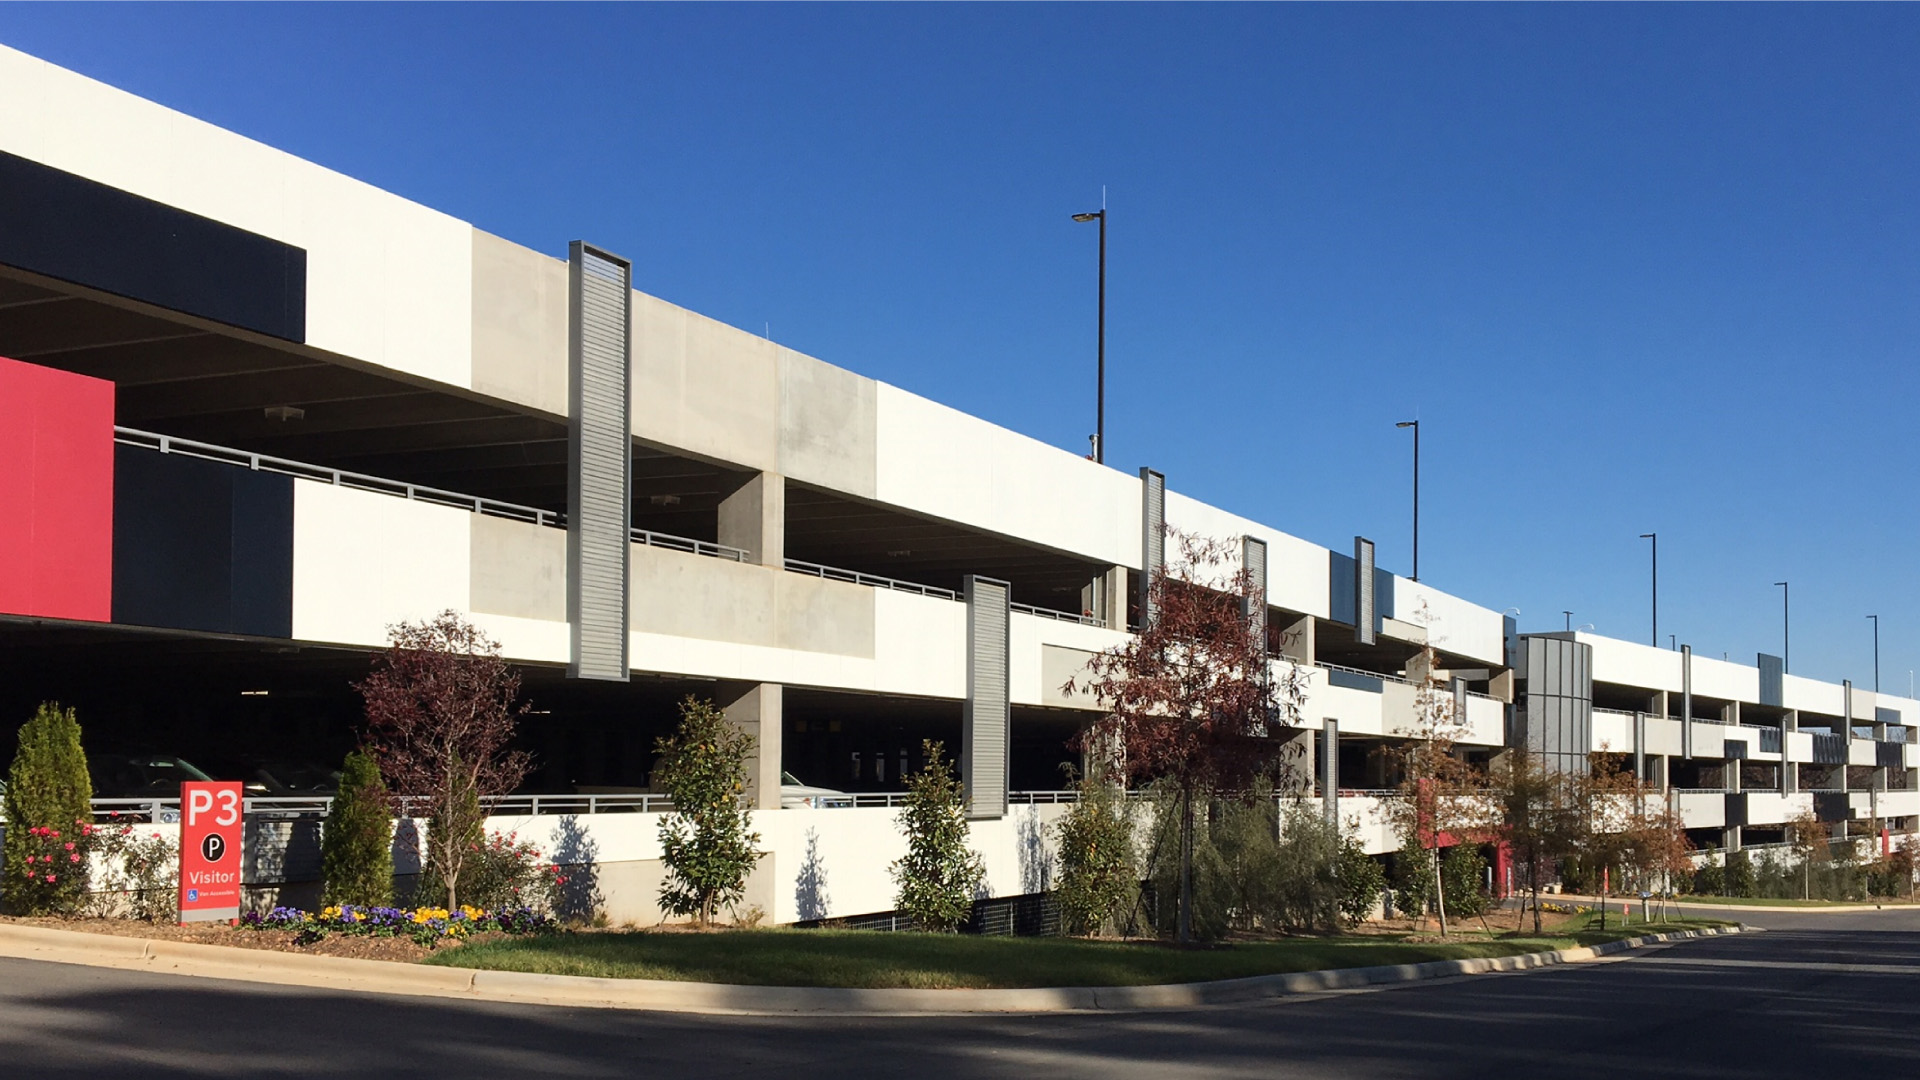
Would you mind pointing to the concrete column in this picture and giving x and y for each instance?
(1640, 745)
(1789, 769)
(1105, 598)
(753, 517)
(1296, 639)
(756, 710)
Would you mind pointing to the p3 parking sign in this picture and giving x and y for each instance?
(211, 813)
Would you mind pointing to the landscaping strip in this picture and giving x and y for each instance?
(376, 976)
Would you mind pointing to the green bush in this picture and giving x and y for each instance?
(1711, 878)
(939, 874)
(356, 847)
(505, 873)
(1362, 880)
(465, 830)
(1463, 873)
(47, 788)
(706, 842)
(1739, 875)
(1412, 881)
(1217, 891)
(1099, 881)
(1307, 883)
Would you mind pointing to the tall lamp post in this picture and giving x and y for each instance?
(1655, 537)
(1786, 628)
(1100, 398)
(1876, 652)
(1415, 425)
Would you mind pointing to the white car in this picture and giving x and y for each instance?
(795, 795)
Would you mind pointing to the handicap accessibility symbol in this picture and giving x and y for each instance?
(192, 895)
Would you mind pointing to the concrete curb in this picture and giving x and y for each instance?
(387, 977)
(1684, 906)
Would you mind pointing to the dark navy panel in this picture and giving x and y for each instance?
(74, 229)
(1884, 715)
(1340, 581)
(1772, 678)
(1352, 681)
(200, 545)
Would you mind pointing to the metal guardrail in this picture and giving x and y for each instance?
(167, 810)
(692, 547)
(168, 444)
(1059, 616)
(834, 573)
(1699, 790)
(1363, 671)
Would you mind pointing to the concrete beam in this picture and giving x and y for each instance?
(756, 710)
(753, 517)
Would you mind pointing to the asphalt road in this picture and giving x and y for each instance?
(1816, 996)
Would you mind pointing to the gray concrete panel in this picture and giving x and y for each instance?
(519, 324)
(516, 568)
(696, 596)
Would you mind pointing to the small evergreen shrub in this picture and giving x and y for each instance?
(1463, 873)
(356, 846)
(1307, 886)
(707, 843)
(1362, 880)
(1739, 876)
(939, 874)
(1099, 880)
(47, 789)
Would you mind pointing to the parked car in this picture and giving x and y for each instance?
(796, 795)
(140, 776)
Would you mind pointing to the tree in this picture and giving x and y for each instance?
(1191, 698)
(708, 845)
(1609, 804)
(1099, 878)
(47, 789)
(441, 711)
(1534, 803)
(1362, 880)
(356, 845)
(1807, 835)
(939, 874)
(1442, 797)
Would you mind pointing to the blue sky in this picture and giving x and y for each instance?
(1635, 268)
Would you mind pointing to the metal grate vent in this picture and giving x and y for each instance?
(983, 751)
(600, 461)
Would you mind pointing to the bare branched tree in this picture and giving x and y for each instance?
(441, 712)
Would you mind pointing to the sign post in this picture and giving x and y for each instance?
(210, 846)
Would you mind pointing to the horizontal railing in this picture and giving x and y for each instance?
(1700, 790)
(168, 444)
(226, 455)
(855, 577)
(681, 543)
(1362, 671)
(1059, 616)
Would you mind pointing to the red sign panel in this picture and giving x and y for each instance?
(210, 846)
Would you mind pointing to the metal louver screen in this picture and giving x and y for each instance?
(1363, 613)
(1253, 556)
(983, 751)
(599, 461)
(1153, 538)
(1772, 680)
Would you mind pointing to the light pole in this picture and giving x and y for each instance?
(1100, 393)
(1655, 537)
(1876, 652)
(1569, 616)
(1415, 425)
(1786, 628)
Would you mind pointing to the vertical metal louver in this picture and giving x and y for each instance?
(1153, 539)
(1253, 557)
(1330, 768)
(600, 460)
(983, 749)
(1363, 610)
(1772, 681)
(1686, 701)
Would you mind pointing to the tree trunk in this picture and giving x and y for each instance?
(1439, 890)
(1184, 918)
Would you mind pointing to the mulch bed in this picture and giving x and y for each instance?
(362, 948)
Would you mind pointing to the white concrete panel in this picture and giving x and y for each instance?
(1362, 817)
(1709, 740)
(1296, 569)
(1724, 679)
(1773, 808)
(388, 281)
(1899, 803)
(1029, 636)
(1702, 809)
(537, 641)
(1746, 736)
(1486, 722)
(1809, 695)
(1612, 733)
(1663, 736)
(1862, 752)
(1453, 624)
(940, 461)
(1798, 746)
(1628, 663)
(362, 560)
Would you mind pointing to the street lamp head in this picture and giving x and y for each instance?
(1095, 216)
(1408, 423)
(1781, 584)
(1647, 536)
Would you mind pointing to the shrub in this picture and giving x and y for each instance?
(1362, 880)
(1307, 884)
(507, 873)
(429, 926)
(1099, 880)
(707, 845)
(1463, 874)
(1739, 875)
(136, 876)
(48, 789)
(1412, 881)
(455, 830)
(1711, 878)
(356, 846)
(938, 875)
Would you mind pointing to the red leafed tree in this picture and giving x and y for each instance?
(441, 711)
(1190, 698)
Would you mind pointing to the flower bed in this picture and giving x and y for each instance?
(428, 926)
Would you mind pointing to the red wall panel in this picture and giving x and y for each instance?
(56, 493)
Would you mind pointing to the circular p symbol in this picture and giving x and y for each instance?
(212, 847)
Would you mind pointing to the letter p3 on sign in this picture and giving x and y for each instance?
(211, 815)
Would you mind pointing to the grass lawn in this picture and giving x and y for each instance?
(1757, 901)
(854, 958)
